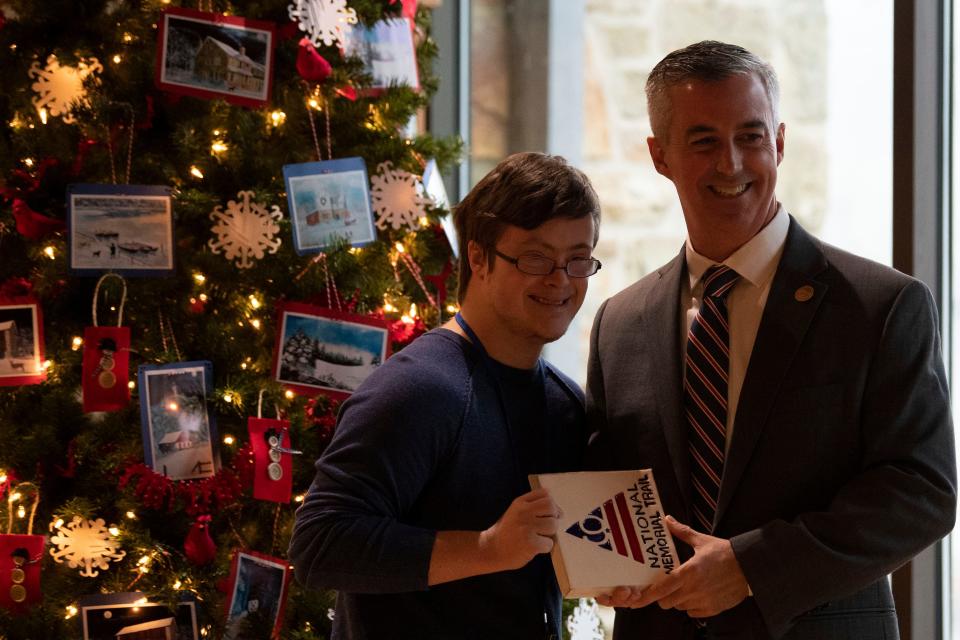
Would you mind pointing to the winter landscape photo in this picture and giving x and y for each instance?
(256, 597)
(19, 342)
(216, 56)
(176, 423)
(329, 205)
(328, 353)
(387, 51)
(120, 232)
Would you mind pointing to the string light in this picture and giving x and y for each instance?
(3, 477)
(424, 221)
(131, 515)
(289, 395)
(128, 37)
(400, 248)
(177, 584)
(314, 104)
(14, 496)
(49, 252)
(389, 308)
(131, 385)
(43, 115)
(254, 302)
(173, 406)
(77, 343)
(71, 611)
(195, 172)
(203, 296)
(356, 250)
(47, 364)
(58, 523)
(277, 118)
(228, 440)
(218, 146)
(21, 512)
(117, 59)
(114, 531)
(227, 398)
(299, 498)
(452, 309)
(413, 311)
(200, 278)
(28, 162)
(256, 323)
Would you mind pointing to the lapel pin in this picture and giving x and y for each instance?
(803, 294)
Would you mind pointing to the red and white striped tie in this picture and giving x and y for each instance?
(705, 392)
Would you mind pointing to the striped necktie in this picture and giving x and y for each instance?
(705, 392)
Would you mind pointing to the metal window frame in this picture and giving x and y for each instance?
(921, 243)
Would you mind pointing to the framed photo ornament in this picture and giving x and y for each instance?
(329, 202)
(327, 351)
(21, 342)
(387, 51)
(258, 589)
(108, 616)
(211, 55)
(178, 428)
(125, 229)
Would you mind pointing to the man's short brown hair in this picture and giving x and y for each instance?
(525, 190)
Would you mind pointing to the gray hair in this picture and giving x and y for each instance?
(707, 61)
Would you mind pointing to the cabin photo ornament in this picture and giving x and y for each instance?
(214, 56)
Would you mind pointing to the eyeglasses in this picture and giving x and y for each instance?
(534, 265)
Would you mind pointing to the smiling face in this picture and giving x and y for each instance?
(515, 313)
(721, 152)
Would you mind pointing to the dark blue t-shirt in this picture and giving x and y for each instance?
(423, 446)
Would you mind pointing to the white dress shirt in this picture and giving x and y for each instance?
(756, 262)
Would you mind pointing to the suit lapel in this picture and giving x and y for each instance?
(786, 318)
(661, 328)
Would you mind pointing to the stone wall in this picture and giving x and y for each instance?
(642, 222)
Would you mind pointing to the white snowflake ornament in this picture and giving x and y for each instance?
(397, 197)
(584, 623)
(323, 20)
(85, 544)
(59, 88)
(245, 230)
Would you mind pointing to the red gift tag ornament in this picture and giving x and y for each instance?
(20, 556)
(272, 466)
(106, 368)
(106, 358)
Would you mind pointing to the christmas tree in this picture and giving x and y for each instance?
(174, 262)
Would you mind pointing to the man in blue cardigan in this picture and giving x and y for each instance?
(421, 515)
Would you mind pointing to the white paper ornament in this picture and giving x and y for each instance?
(245, 230)
(85, 544)
(59, 88)
(397, 197)
(323, 20)
(584, 623)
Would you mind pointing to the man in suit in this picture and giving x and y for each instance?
(789, 396)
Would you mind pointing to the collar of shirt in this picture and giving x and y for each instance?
(756, 261)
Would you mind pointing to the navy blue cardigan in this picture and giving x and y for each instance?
(423, 446)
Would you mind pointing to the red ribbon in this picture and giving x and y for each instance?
(409, 8)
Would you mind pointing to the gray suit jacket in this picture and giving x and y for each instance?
(841, 465)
